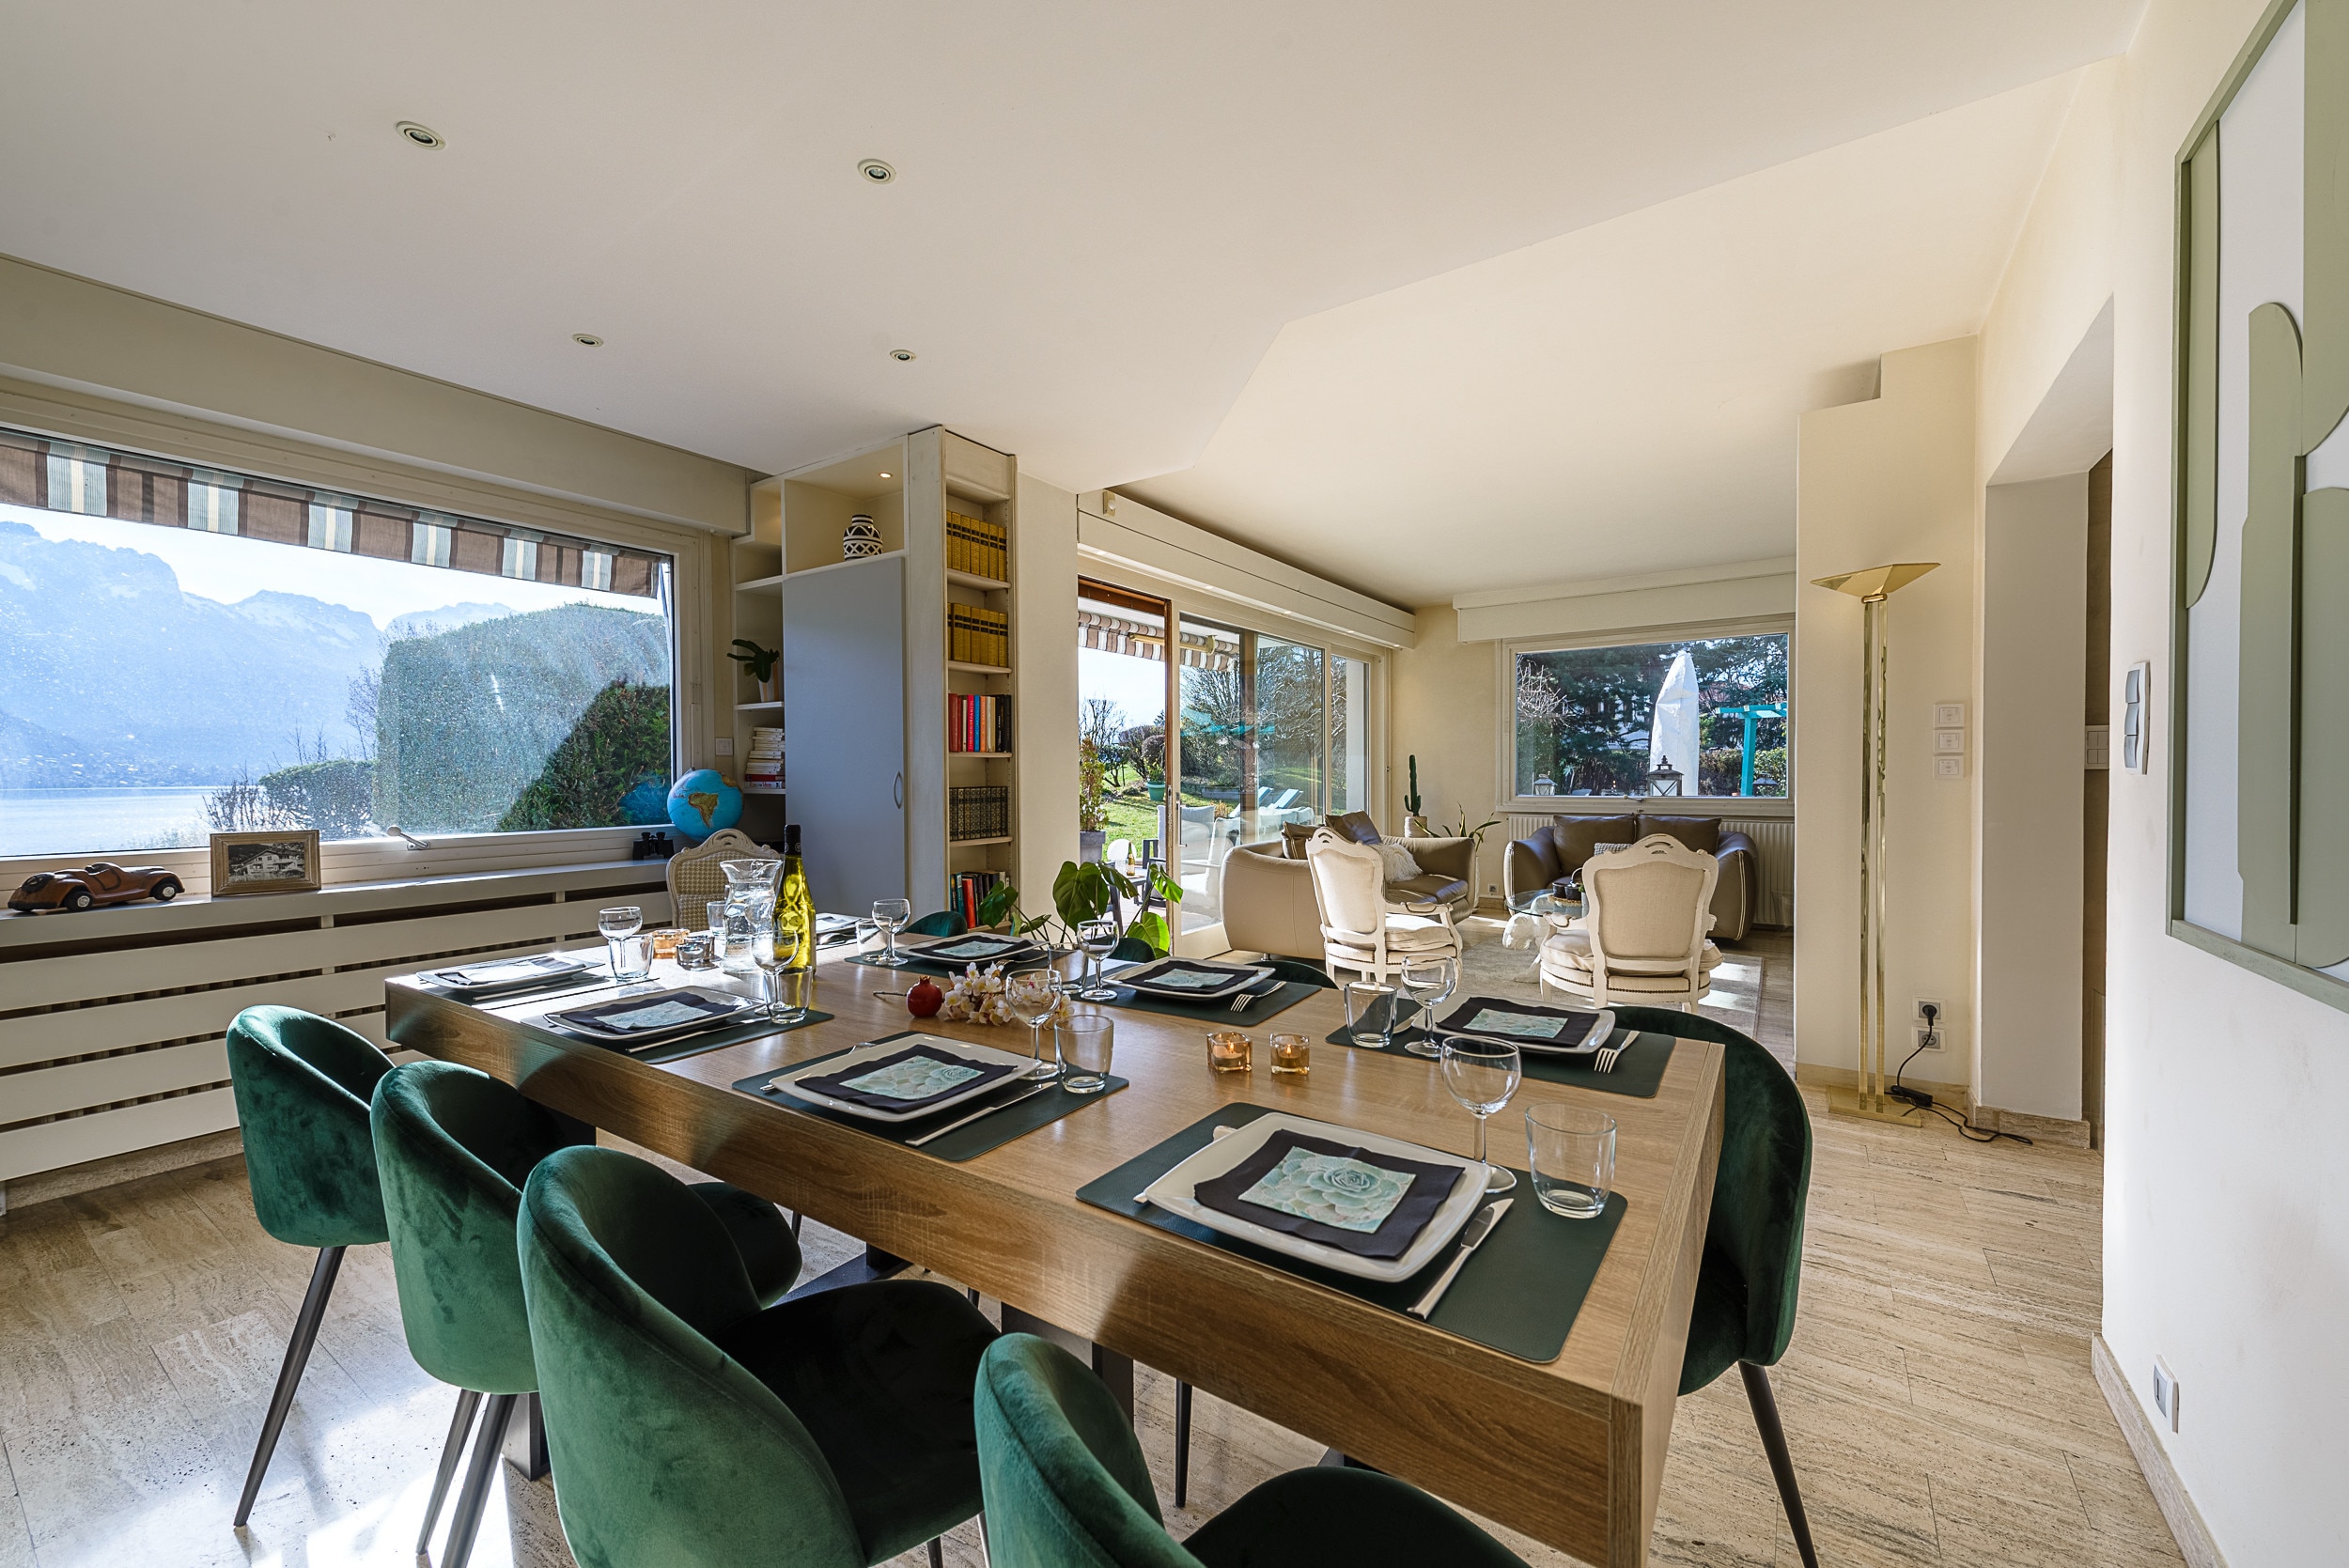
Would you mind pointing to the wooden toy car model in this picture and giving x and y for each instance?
(99, 882)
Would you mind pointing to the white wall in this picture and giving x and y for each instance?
(2030, 751)
(2226, 1231)
(1885, 480)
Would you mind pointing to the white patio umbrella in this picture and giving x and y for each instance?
(1672, 736)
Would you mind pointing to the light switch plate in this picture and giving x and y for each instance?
(1948, 741)
(2166, 1392)
(1949, 767)
(724, 745)
(1949, 716)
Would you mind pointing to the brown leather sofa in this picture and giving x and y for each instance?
(1560, 848)
(1268, 890)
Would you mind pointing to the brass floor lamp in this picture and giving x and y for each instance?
(1871, 589)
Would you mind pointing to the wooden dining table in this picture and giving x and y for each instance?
(1570, 1451)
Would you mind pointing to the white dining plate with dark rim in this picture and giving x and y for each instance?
(982, 947)
(652, 1017)
(833, 1067)
(1191, 979)
(1529, 1028)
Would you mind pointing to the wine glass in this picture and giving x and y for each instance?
(1031, 995)
(1482, 1075)
(1098, 937)
(1428, 982)
(891, 915)
(618, 924)
(773, 957)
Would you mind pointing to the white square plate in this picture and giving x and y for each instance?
(1145, 978)
(719, 1009)
(1601, 1032)
(1173, 1192)
(974, 947)
(984, 1056)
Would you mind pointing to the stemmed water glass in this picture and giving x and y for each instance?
(1428, 982)
(1031, 995)
(1098, 937)
(618, 924)
(891, 915)
(1482, 1075)
(773, 958)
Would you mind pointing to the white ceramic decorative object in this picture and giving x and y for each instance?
(860, 538)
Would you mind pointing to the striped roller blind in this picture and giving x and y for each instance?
(98, 481)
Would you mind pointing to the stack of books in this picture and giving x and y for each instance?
(978, 723)
(967, 889)
(979, 811)
(977, 636)
(762, 770)
(978, 546)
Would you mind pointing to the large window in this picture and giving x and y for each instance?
(189, 651)
(1706, 717)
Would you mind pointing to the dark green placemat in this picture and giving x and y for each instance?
(1279, 1000)
(1639, 1071)
(693, 1045)
(1518, 1293)
(988, 1132)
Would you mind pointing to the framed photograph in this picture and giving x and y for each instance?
(285, 859)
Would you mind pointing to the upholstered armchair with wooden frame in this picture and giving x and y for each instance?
(695, 881)
(1643, 935)
(1360, 928)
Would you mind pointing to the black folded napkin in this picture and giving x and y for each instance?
(1430, 1184)
(841, 1085)
(1572, 1028)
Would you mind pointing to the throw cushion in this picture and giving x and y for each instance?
(1355, 825)
(1700, 833)
(1578, 838)
(1401, 867)
(1293, 839)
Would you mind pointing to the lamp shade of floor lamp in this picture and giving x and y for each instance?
(1873, 588)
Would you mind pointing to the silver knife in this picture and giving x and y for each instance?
(1000, 1105)
(1478, 1228)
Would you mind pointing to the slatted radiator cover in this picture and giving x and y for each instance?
(113, 1022)
(1773, 845)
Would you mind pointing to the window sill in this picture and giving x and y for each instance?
(1654, 805)
(347, 863)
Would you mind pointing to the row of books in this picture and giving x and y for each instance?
(978, 545)
(975, 636)
(967, 889)
(764, 765)
(979, 811)
(978, 723)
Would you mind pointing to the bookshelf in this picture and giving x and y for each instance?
(886, 767)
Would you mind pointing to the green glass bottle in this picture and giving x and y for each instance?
(795, 912)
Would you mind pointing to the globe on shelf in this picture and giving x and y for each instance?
(702, 802)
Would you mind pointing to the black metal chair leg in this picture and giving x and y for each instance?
(451, 1452)
(1782, 1463)
(489, 1442)
(306, 1334)
(938, 1557)
(1182, 1442)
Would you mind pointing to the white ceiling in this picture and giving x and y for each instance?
(1104, 218)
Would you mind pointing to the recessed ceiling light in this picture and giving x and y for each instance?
(422, 135)
(587, 340)
(876, 171)
(884, 473)
(901, 355)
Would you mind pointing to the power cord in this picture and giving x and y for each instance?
(1923, 1101)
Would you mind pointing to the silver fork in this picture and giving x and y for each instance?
(1604, 1061)
(1240, 1002)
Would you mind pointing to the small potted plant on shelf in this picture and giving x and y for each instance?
(1092, 820)
(759, 665)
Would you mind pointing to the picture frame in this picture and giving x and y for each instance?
(281, 860)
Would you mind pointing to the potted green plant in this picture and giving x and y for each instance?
(1414, 824)
(1092, 819)
(1084, 890)
(759, 665)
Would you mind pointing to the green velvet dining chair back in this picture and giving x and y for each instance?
(1066, 1485)
(664, 1448)
(941, 923)
(1749, 1279)
(453, 1147)
(301, 1086)
(1306, 969)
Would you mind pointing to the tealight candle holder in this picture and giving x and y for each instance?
(1230, 1052)
(1292, 1055)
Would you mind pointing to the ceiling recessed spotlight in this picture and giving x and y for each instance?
(901, 355)
(884, 473)
(587, 340)
(877, 171)
(422, 135)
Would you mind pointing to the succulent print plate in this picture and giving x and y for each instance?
(902, 1079)
(1176, 1192)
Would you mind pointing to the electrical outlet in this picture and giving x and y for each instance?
(1921, 1037)
(1939, 1015)
(1949, 767)
(724, 745)
(2166, 1392)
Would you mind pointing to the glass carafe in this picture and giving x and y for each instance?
(750, 912)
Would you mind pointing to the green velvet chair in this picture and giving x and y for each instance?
(1751, 1271)
(944, 922)
(1066, 1487)
(1306, 969)
(453, 1147)
(691, 1429)
(302, 1084)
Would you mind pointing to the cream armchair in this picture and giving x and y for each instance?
(1361, 930)
(1266, 898)
(1643, 934)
